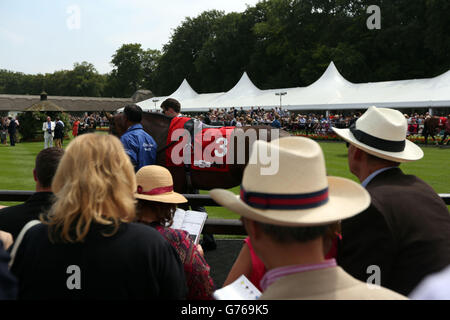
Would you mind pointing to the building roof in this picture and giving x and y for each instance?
(45, 106)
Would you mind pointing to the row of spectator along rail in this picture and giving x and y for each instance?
(212, 226)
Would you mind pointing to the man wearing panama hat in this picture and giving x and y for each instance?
(287, 216)
(405, 231)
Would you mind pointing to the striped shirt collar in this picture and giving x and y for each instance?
(273, 275)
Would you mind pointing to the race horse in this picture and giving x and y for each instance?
(431, 127)
(185, 177)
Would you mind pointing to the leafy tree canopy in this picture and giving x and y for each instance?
(280, 43)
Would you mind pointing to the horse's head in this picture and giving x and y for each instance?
(117, 125)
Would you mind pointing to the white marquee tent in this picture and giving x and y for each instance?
(330, 92)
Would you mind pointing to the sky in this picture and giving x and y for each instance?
(43, 36)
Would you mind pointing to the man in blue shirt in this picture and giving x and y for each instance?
(138, 144)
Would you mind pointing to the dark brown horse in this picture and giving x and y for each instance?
(157, 125)
(431, 127)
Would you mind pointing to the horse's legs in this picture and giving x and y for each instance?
(434, 139)
(444, 137)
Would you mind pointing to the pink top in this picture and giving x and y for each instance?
(273, 275)
(258, 268)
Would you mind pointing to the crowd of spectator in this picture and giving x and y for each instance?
(8, 126)
(278, 118)
(416, 123)
(319, 123)
(309, 123)
(87, 123)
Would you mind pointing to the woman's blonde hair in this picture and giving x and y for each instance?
(94, 182)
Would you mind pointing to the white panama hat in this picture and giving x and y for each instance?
(382, 133)
(299, 194)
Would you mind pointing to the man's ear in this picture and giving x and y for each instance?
(357, 153)
(34, 175)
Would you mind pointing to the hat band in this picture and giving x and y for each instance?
(377, 143)
(155, 191)
(284, 201)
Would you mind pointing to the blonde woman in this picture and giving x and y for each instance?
(87, 247)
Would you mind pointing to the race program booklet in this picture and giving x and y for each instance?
(241, 289)
(190, 221)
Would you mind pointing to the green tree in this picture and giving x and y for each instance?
(179, 55)
(149, 64)
(128, 73)
(83, 80)
(10, 81)
(437, 34)
(31, 124)
(226, 55)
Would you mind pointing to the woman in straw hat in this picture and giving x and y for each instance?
(157, 203)
(287, 214)
(88, 248)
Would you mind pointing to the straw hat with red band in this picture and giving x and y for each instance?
(299, 194)
(382, 132)
(154, 183)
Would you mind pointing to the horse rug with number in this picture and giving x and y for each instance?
(206, 151)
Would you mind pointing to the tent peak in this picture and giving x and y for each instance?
(331, 77)
(242, 90)
(184, 91)
(244, 83)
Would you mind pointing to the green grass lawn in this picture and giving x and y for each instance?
(17, 163)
